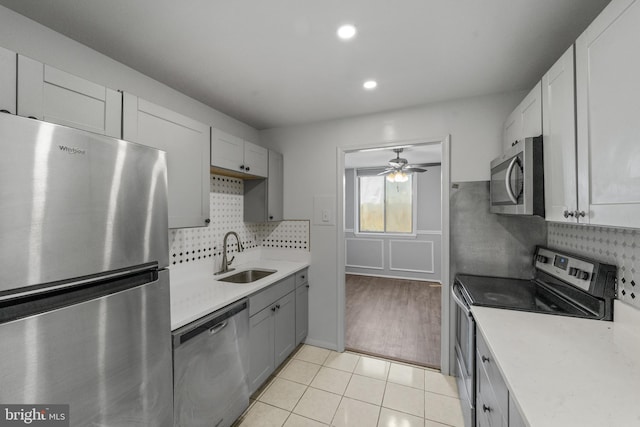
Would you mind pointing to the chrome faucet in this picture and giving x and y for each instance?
(225, 264)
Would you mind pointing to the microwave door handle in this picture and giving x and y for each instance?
(507, 181)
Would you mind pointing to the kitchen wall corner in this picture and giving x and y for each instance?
(487, 244)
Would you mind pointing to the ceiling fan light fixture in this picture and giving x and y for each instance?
(398, 176)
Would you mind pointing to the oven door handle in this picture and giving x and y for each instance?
(507, 181)
(459, 299)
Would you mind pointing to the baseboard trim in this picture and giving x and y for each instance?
(395, 277)
(320, 343)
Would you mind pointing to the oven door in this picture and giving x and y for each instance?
(465, 354)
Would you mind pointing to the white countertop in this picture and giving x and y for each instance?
(196, 291)
(563, 371)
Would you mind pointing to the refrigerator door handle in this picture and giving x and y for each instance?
(79, 281)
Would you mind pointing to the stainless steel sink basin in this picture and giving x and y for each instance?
(247, 276)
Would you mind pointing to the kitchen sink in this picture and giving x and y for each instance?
(247, 276)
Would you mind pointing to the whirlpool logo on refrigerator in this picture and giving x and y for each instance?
(72, 150)
(34, 415)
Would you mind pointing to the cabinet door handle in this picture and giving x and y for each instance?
(580, 214)
(242, 167)
(247, 168)
(567, 214)
(5, 111)
(485, 359)
(278, 306)
(485, 408)
(307, 286)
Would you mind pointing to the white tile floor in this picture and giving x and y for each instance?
(319, 387)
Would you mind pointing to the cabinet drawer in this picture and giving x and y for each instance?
(488, 411)
(302, 277)
(270, 295)
(487, 365)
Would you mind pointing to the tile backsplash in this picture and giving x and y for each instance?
(227, 207)
(618, 246)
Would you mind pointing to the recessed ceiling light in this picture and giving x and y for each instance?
(370, 84)
(346, 32)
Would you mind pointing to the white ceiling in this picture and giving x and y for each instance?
(278, 62)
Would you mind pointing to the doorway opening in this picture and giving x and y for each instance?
(395, 245)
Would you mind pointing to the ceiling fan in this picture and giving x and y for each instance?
(399, 167)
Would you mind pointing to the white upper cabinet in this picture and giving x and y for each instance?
(526, 120)
(8, 61)
(263, 198)
(608, 116)
(237, 155)
(186, 142)
(46, 93)
(256, 159)
(275, 187)
(227, 151)
(559, 139)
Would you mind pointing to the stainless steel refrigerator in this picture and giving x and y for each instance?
(84, 294)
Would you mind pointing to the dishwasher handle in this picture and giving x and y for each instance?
(217, 328)
(212, 323)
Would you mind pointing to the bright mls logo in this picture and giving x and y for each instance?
(34, 415)
(71, 150)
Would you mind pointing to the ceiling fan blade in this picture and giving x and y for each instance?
(424, 165)
(386, 172)
(413, 169)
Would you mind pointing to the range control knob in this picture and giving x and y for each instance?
(542, 259)
(582, 275)
(572, 271)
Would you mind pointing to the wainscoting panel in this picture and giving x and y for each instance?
(411, 255)
(365, 253)
(417, 258)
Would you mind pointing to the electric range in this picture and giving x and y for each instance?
(564, 284)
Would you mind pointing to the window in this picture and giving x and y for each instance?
(383, 206)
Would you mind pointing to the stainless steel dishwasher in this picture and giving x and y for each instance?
(210, 368)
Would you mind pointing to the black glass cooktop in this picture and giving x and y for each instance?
(517, 294)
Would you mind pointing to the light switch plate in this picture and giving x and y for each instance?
(324, 210)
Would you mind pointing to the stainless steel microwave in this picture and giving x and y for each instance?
(517, 181)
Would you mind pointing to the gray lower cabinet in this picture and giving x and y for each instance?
(302, 305)
(272, 329)
(515, 417)
(494, 402)
(284, 319)
(261, 345)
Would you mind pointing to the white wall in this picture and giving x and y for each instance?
(310, 153)
(31, 39)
